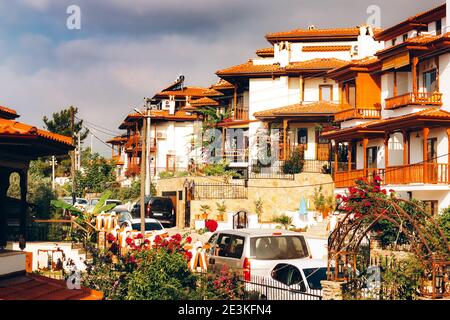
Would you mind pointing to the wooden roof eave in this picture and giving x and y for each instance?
(353, 134)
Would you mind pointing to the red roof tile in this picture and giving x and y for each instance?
(203, 102)
(325, 48)
(249, 68)
(186, 91)
(13, 128)
(321, 107)
(35, 287)
(265, 52)
(8, 113)
(317, 64)
(222, 85)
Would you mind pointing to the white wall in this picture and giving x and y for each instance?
(444, 83)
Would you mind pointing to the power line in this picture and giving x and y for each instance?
(109, 132)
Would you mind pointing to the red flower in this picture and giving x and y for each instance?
(158, 239)
(367, 204)
(176, 237)
(377, 178)
(111, 237)
(146, 241)
(211, 225)
(392, 191)
(188, 240)
(188, 255)
(129, 241)
(139, 236)
(384, 191)
(339, 197)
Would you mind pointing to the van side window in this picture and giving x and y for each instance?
(229, 246)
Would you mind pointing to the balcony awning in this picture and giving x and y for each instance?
(396, 62)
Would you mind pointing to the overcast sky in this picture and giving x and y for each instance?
(129, 49)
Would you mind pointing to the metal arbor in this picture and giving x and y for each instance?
(367, 204)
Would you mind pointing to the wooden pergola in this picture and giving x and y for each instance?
(19, 144)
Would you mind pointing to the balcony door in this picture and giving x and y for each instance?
(430, 83)
(170, 162)
(372, 157)
(432, 160)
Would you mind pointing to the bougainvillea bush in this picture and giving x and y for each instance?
(155, 270)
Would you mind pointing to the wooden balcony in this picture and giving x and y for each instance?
(134, 143)
(236, 155)
(358, 113)
(418, 99)
(428, 173)
(118, 159)
(241, 114)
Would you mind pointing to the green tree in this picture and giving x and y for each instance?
(97, 174)
(61, 123)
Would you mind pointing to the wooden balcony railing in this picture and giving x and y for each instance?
(429, 173)
(241, 114)
(358, 113)
(134, 143)
(420, 98)
(236, 155)
(118, 160)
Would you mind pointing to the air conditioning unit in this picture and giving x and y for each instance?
(161, 135)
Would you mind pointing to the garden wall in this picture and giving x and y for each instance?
(277, 195)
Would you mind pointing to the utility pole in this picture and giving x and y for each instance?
(148, 178)
(143, 170)
(72, 155)
(79, 151)
(53, 173)
(92, 143)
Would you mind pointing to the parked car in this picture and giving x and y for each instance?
(94, 201)
(151, 226)
(159, 208)
(122, 213)
(80, 203)
(256, 252)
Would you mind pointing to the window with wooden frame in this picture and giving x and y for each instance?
(170, 162)
(325, 92)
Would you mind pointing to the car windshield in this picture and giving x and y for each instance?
(149, 226)
(278, 247)
(162, 205)
(314, 276)
(94, 202)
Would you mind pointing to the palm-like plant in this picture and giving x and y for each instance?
(284, 220)
(213, 117)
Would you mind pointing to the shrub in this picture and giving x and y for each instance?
(444, 222)
(284, 220)
(295, 163)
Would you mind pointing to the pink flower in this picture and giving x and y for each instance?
(377, 178)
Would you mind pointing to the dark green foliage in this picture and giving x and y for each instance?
(295, 163)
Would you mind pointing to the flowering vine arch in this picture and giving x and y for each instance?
(362, 208)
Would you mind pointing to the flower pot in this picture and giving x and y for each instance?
(198, 217)
(204, 216)
(220, 217)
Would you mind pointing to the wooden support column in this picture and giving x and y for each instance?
(414, 75)
(426, 132)
(386, 156)
(223, 141)
(4, 185)
(336, 149)
(448, 155)
(406, 169)
(235, 101)
(365, 143)
(23, 202)
(349, 156)
(285, 126)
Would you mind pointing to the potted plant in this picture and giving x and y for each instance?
(221, 209)
(323, 204)
(259, 208)
(205, 209)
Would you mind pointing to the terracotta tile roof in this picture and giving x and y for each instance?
(210, 92)
(34, 287)
(265, 52)
(203, 102)
(321, 107)
(186, 91)
(8, 113)
(365, 63)
(317, 64)
(14, 128)
(418, 21)
(249, 68)
(325, 48)
(419, 40)
(427, 114)
(181, 115)
(222, 85)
